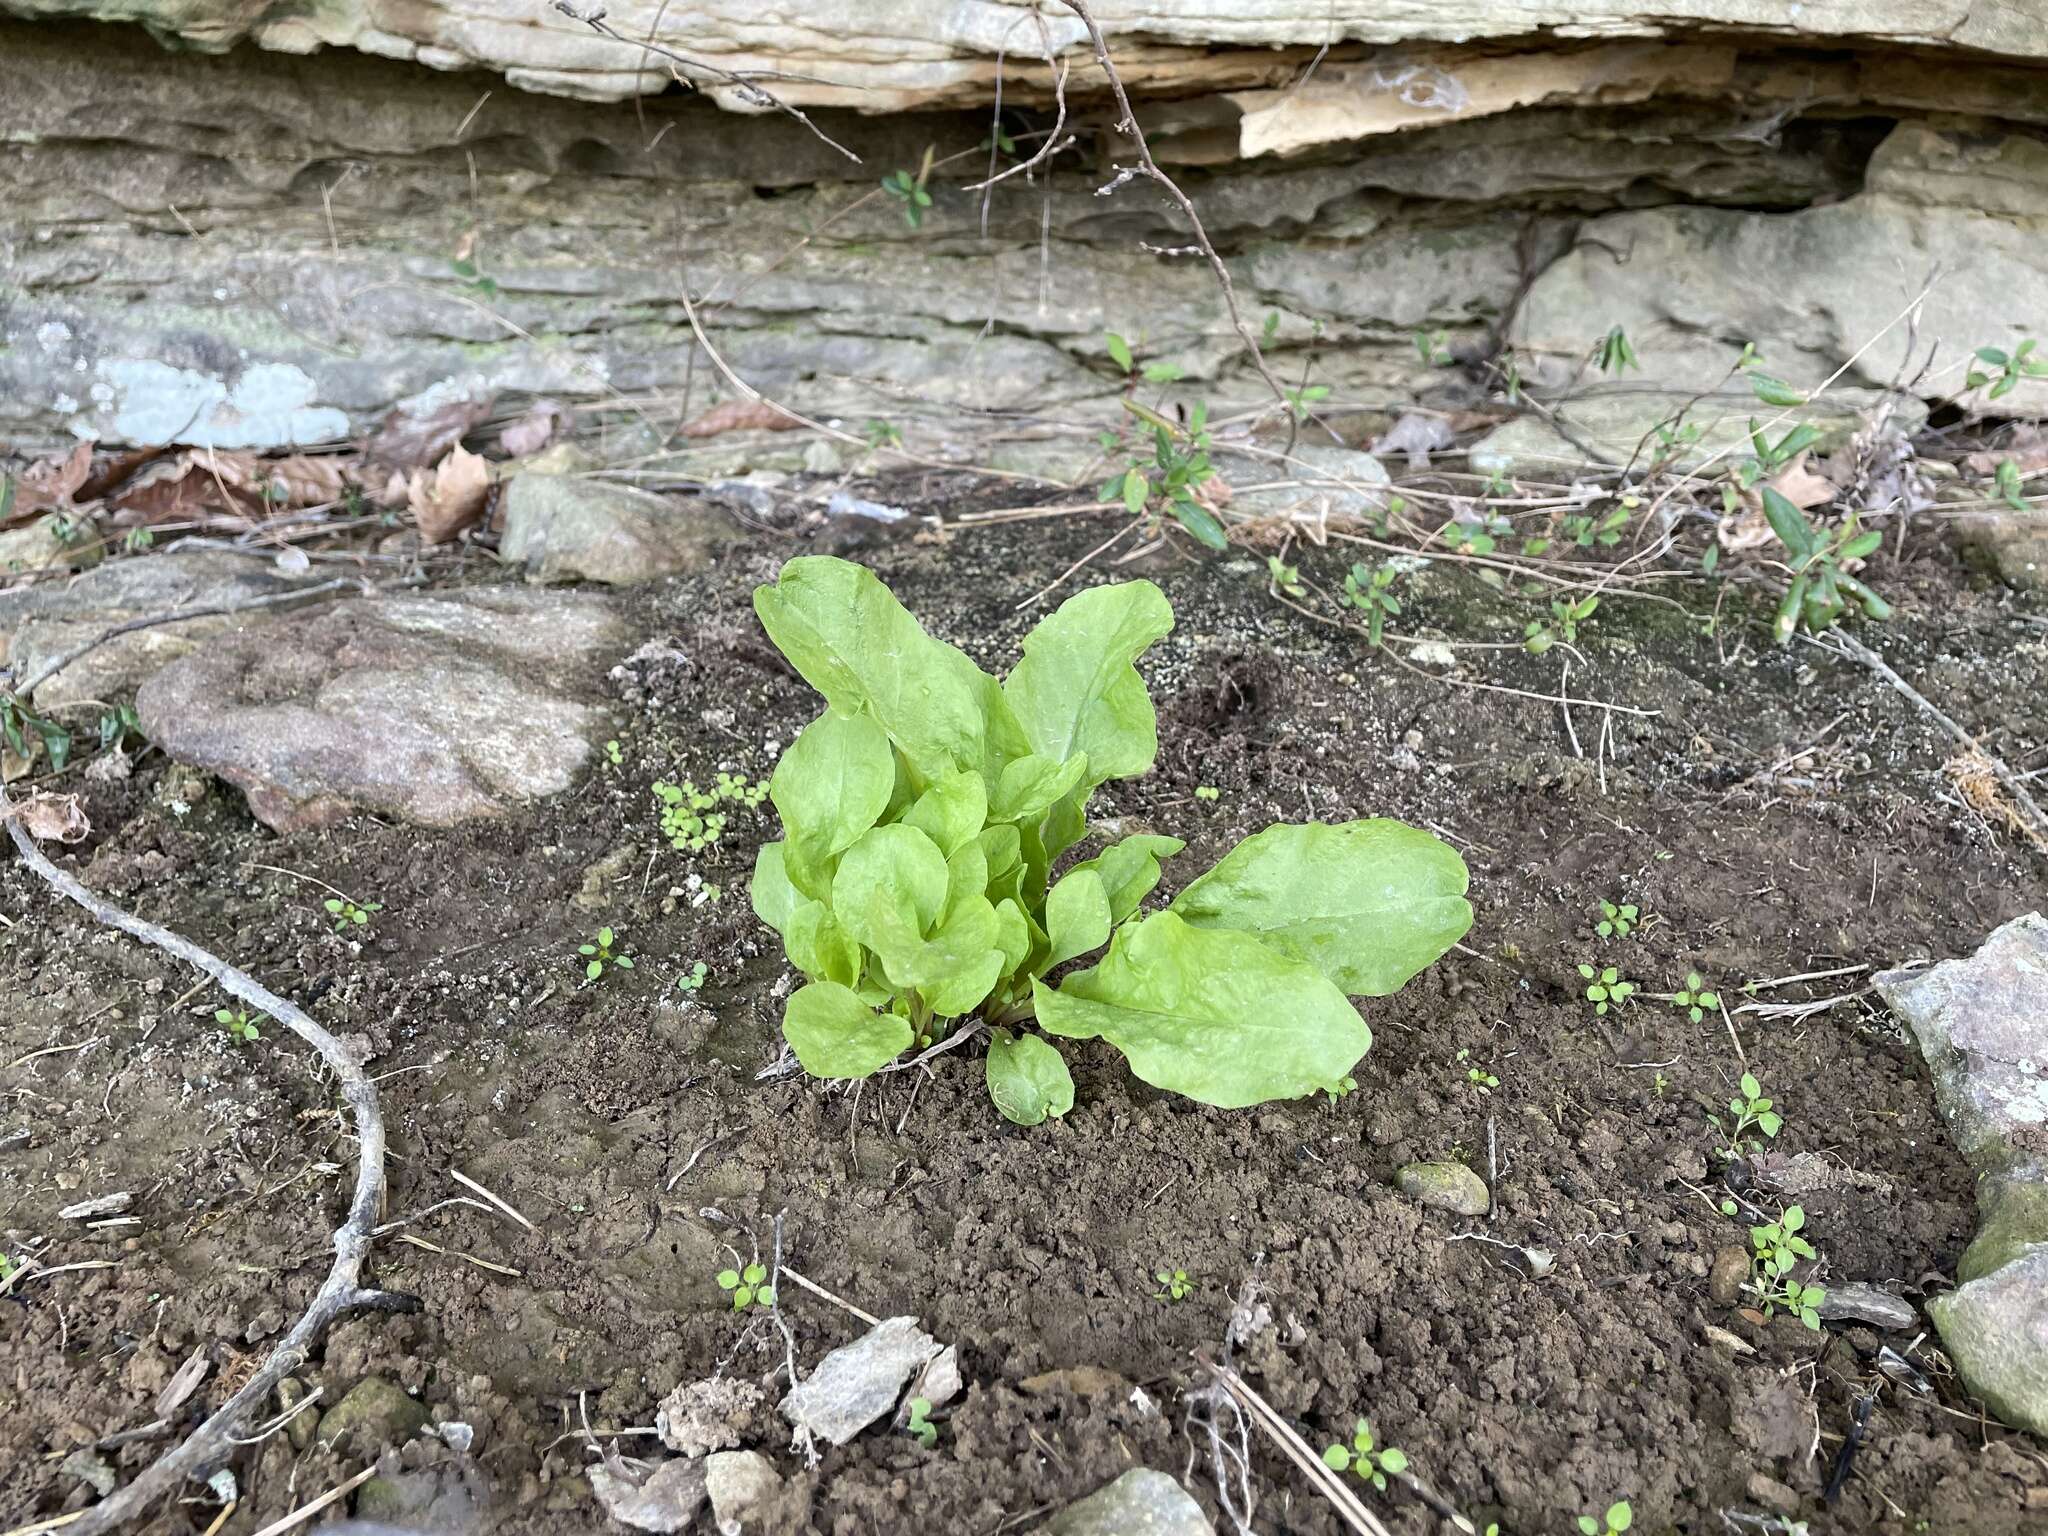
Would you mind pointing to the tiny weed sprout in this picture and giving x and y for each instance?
(1751, 1108)
(1341, 1087)
(598, 954)
(925, 812)
(882, 434)
(1617, 919)
(1429, 346)
(349, 914)
(747, 1286)
(1777, 1246)
(1174, 1285)
(692, 819)
(1612, 353)
(1208, 792)
(1821, 589)
(240, 1026)
(2009, 481)
(693, 980)
(1179, 467)
(1366, 589)
(920, 1426)
(1619, 1517)
(1693, 997)
(1477, 1076)
(612, 754)
(117, 724)
(909, 191)
(1566, 615)
(1374, 1464)
(1605, 988)
(1802, 1301)
(1284, 577)
(10, 1267)
(21, 729)
(2003, 370)
(1585, 530)
(1304, 401)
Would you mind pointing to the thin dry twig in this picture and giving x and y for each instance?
(1326, 1481)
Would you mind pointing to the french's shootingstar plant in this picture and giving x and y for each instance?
(924, 814)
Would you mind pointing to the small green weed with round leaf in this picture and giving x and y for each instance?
(599, 953)
(1617, 919)
(1370, 1461)
(1174, 1285)
(1481, 1080)
(1619, 1517)
(1776, 1246)
(241, 1027)
(748, 1287)
(693, 980)
(1802, 1301)
(1750, 1108)
(920, 1426)
(1605, 987)
(1694, 998)
(613, 754)
(348, 913)
(1368, 589)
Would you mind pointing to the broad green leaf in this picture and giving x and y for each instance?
(952, 811)
(1013, 935)
(961, 964)
(835, 1034)
(966, 876)
(1076, 691)
(850, 639)
(1368, 903)
(1004, 850)
(1076, 916)
(1130, 869)
(774, 898)
(1210, 1013)
(1119, 350)
(1031, 784)
(890, 890)
(832, 784)
(1775, 391)
(1027, 1078)
(1202, 523)
(819, 947)
(1787, 522)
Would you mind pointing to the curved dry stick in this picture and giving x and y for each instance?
(341, 1292)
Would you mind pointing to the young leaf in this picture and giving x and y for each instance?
(890, 890)
(1211, 1014)
(1368, 903)
(1787, 523)
(1202, 523)
(1130, 869)
(835, 1034)
(832, 784)
(819, 947)
(1076, 916)
(961, 964)
(850, 639)
(1027, 1078)
(1774, 391)
(1076, 690)
(952, 812)
(1119, 350)
(1029, 786)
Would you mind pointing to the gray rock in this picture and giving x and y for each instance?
(745, 1490)
(710, 1415)
(1326, 481)
(668, 1499)
(430, 1499)
(859, 1382)
(91, 1469)
(2014, 544)
(43, 545)
(431, 709)
(1730, 1271)
(1854, 1302)
(563, 528)
(1142, 1502)
(375, 1415)
(1982, 1024)
(50, 618)
(1447, 1186)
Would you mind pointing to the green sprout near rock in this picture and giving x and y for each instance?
(692, 819)
(1617, 921)
(1174, 1285)
(1284, 577)
(1693, 997)
(1750, 1108)
(909, 191)
(1612, 353)
(1366, 588)
(694, 980)
(1619, 1517)
(920, 1426)
(1777, 1246)
(1802, 1301)
(348, 913)
(599, 954)
(240, 1026)
(1374, 1464)
(1208, 792)
(747, 1287)
(1605, 988)
(1481, 1079)
(612, 754)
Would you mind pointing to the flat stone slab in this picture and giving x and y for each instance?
(431, 709)
(570, 528)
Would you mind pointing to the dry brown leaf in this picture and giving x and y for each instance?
(1799, 485)
(308, 480)
(174, 489)
(2027, 448)
(536, 429)
(1747, 528)
(49, 483)
(410, 438)
(52, 818)
(451, 496)
(741, 416)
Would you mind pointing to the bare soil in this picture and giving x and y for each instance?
(1783, 812)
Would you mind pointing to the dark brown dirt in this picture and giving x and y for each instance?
(1783, 813)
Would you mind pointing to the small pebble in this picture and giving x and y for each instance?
(1447, 1186)
(1724, 1280)
(1856, 1302)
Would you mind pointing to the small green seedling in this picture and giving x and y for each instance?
(1586, 530)
(1566, 615)
(240, 1027)
(1777, 1246)
(10, 1267)
(1481, 1079)
(747, 1287)
(1751, 1108)
(1605, 988)
(598, 954)
(1802, 1301)
(920, 1427)
(1341, 1087)
(349, 914)
(20, 727)
(1617, 920)
(1619, 1517)
(1366, 589)
(1304, 401)
(694, 980)
(1284, 577)
(909, 191)
(692, 818)
(2010, 483)
(1693, 997)
(612, 754)
(1208, 792)
(1166, 485)
(117, 724)
(1429, 346)
(1174, 1285)
(1821, 590)
(1372, 1463)
(2003, 370)
(882, 434)
(1612, 353)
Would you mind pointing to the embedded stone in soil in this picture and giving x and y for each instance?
(431, 709)
(1447, 1186)
(1143, 1502)
(563, 528)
